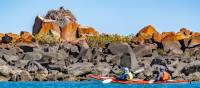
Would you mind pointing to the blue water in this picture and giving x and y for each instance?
(93, 84)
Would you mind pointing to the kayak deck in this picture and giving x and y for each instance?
(136, 81)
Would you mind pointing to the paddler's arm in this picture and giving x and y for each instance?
(158, 77)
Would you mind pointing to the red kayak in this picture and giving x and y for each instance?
(136, 81)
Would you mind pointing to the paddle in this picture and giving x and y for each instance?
(110, 80)
(139, 70)
(107, 81)
(151, 81)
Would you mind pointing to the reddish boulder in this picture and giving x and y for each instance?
(183, 34)
(69, 32)
(194, 41)
(170, 43)
(46, 26)
(148, 32)
(195, 34)
(26, 37)
(84, 31)
(157, 37)
(66, 21)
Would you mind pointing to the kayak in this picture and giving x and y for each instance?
(138, 81)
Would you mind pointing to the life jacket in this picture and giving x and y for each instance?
(130, 76)
(165, 76)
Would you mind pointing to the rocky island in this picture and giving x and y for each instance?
(61, 49)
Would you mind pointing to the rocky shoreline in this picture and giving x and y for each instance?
(60, 49)
(68, 62)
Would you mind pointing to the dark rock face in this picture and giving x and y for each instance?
(158, 61)
(6, 39)
(103, 69)
(78, 69)
(119, 48)
(144, 50)
(125, 60)
(126, 51)
(191, 68)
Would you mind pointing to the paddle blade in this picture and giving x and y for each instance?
(138, 71)
(151, 81)
(107, 81)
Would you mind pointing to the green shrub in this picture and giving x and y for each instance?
(100, 41)
(46, 39)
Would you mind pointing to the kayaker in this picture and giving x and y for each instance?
(163, 75)
(126, 75)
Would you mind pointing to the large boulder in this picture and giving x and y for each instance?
(66, 21)
(79, 69)
(69, 31)
(44, 27)
(84, 31)
(124, 49)
(26, 37)
(85, 54)
(62, 24)
(183, 34)
(194, 41)
(148, 32)
(171, 43)
(144, 50)
(103, 69)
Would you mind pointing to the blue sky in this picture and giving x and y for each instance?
(106, 16)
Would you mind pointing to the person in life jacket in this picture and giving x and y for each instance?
(126, 75)
(163, 75)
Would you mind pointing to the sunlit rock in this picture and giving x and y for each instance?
(26, 37)
(148, 32)
(44, 26)
(84, 31)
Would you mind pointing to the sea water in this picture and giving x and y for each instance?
(93, 84)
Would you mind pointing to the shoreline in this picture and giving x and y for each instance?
(60, 62)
